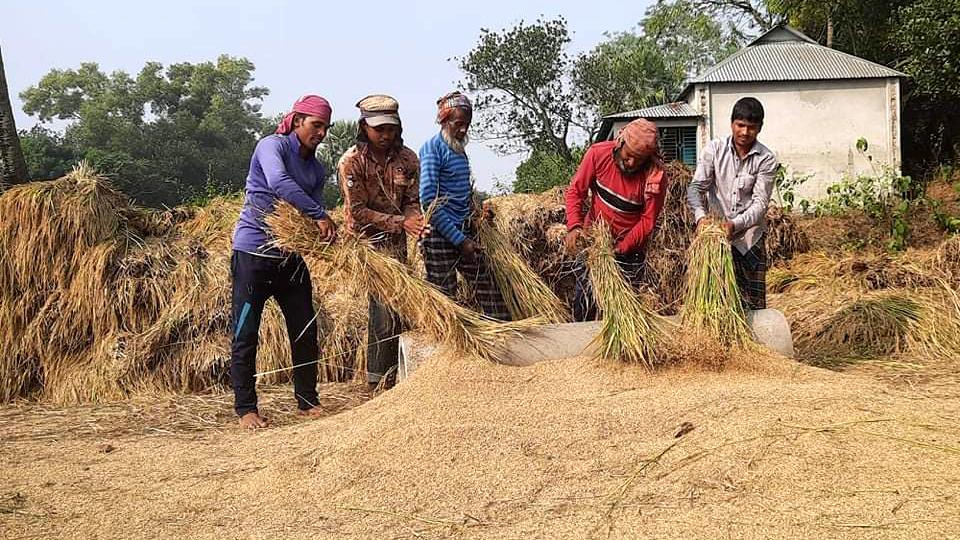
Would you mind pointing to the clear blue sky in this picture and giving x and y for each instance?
(341, 50)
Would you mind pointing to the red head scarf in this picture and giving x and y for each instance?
(309, 105)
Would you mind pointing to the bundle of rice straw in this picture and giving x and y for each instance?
(711, 302)
(525, 294)
(630, 331)
(419, 304)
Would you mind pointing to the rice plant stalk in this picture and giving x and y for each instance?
(711, 302)
(418, 303)
(629, 331)
(525, 294)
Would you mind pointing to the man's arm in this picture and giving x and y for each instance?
(270, 154)
(430, 190)
(637, 236)
(703, 179)
(356, 198)
(760, 197)
(577, 191)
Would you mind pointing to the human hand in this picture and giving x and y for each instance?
(328, 229)
(728, 229)
(415, 226)
(470, 250)
(570, 241)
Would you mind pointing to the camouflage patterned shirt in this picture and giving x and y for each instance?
(378, 196)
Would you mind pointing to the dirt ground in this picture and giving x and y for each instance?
(465, 449)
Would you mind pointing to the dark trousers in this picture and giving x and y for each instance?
(443, 260)
(256, 279)
(584, 303)
(751, 271)
(383, 341)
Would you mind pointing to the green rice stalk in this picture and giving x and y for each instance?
(712, 304)
(630, 331)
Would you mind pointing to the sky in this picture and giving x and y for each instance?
(341, 50)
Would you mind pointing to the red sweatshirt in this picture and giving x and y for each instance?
(629, 204)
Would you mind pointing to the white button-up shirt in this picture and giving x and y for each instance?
(738, 189)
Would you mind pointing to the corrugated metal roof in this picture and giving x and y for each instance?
(680, 109)
(776, 57)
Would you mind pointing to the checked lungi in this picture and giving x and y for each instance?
(751, 272)
(443, 260)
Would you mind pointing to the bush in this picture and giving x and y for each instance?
(545, 169)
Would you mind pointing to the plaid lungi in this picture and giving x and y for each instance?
(443, 260)
(751, 271)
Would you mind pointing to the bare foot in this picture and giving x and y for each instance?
(313, 411)
(253, 420)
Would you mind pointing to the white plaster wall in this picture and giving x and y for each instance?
(813, 126)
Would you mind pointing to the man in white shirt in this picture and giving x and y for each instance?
(736, 174)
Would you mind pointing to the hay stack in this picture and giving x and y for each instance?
(667, 250)
(95, 305)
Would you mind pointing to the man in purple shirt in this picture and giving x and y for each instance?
(283, 167)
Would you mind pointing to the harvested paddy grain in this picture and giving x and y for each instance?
(563, 449)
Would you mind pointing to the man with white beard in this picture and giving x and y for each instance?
(445, 176)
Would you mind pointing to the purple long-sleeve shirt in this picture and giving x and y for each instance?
(277, 172)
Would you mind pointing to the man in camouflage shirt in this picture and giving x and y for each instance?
(379, 178)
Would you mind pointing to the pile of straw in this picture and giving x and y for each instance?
(100, 299)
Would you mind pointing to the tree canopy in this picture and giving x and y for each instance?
(165, 136)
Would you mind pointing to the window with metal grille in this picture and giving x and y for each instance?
(679, 143)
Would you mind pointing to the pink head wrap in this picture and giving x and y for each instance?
(309, 105)
(640, 136)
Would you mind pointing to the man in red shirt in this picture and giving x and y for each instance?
(622, 183)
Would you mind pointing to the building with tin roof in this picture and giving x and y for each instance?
(819, 102)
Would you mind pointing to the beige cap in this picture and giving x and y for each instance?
(379, 109)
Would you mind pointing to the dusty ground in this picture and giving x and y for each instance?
(564, 449)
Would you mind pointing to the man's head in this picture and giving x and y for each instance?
(746, 121)
(636, 146)
(309, 119)
(454, 114)
(380, 122)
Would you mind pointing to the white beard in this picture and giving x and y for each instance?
(457, 145)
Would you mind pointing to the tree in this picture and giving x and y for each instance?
(690, 40)
(926, 37)
(745, 18)
(47, 154)
(544, 170)
(340, 137)
(631, 70)
(13, 168)
(166, 136)
(520, 78)
(627, 71)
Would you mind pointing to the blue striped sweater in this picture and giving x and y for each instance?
(445, 174)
